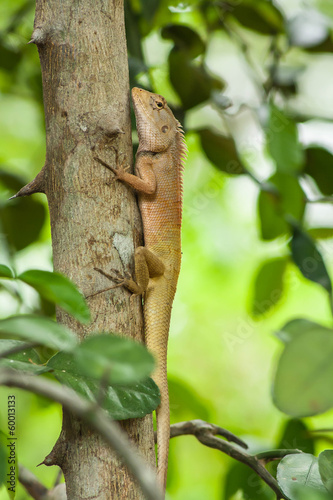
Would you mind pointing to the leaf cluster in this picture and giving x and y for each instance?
(108, 370)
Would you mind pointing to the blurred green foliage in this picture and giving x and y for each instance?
(250, 82)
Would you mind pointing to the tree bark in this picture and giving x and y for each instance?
(82, 49)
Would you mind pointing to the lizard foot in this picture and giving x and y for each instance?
(120, 171)
(125, 280)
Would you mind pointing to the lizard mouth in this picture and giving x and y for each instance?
(136, 97)
(138, 106)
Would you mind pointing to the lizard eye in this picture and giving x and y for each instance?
(165, 128)
(159, 104)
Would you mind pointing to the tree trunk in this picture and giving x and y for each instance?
(82, 49)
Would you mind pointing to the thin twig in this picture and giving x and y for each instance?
(182, 428)
(58, 478)
(268, 456)
(322, 437)
(205, 433)
(273, 71)
(96, 417)
(324, 199)
(325, 429)
(30, 482)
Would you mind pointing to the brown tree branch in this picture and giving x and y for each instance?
(30, 482)
(37, 490)
(206, 433)
(192, 426)
(35, 186)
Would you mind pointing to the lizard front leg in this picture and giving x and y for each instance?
(144, 183)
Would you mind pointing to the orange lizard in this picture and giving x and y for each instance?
(158, 181)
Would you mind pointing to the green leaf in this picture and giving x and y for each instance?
(21, 223)
(307, 493)
(239, 495)
(299, 470)
(295, 436)
(296, 327)
(10, 183)
(149, 8)
(6, 272)
(268, 286)
(8, 445)
(23, 366)
(289, 200)
(242, 478)
(283, 143)
(120, 360)
(319, 165)
(325, 461)
(121, 402)
(221, 151)
(58, 289)
(320, 233)
(325, 46)
(46, 308)
(303, 384)
(38, 329)
(262, 17)
(308, 259)
(189, 78)
(191, 82)
(21, 219)
(9, 58)
(184, 38)
(133, 32)
(26, 354)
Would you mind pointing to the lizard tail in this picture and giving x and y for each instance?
(163, 426)
(157, 320)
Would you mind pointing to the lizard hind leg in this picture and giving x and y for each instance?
(147, 265)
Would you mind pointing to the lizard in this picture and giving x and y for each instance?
(159, 168)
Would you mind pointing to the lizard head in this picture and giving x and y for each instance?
(156, 125)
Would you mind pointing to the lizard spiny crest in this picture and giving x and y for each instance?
(181, 154)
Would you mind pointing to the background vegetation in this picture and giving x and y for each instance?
(250, 81)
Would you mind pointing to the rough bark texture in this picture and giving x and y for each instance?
(82, 48)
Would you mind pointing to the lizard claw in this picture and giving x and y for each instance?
(119, 172)
(124, 166)
(125, 280)
(128, 276)
(117, 277)
(122, 170)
